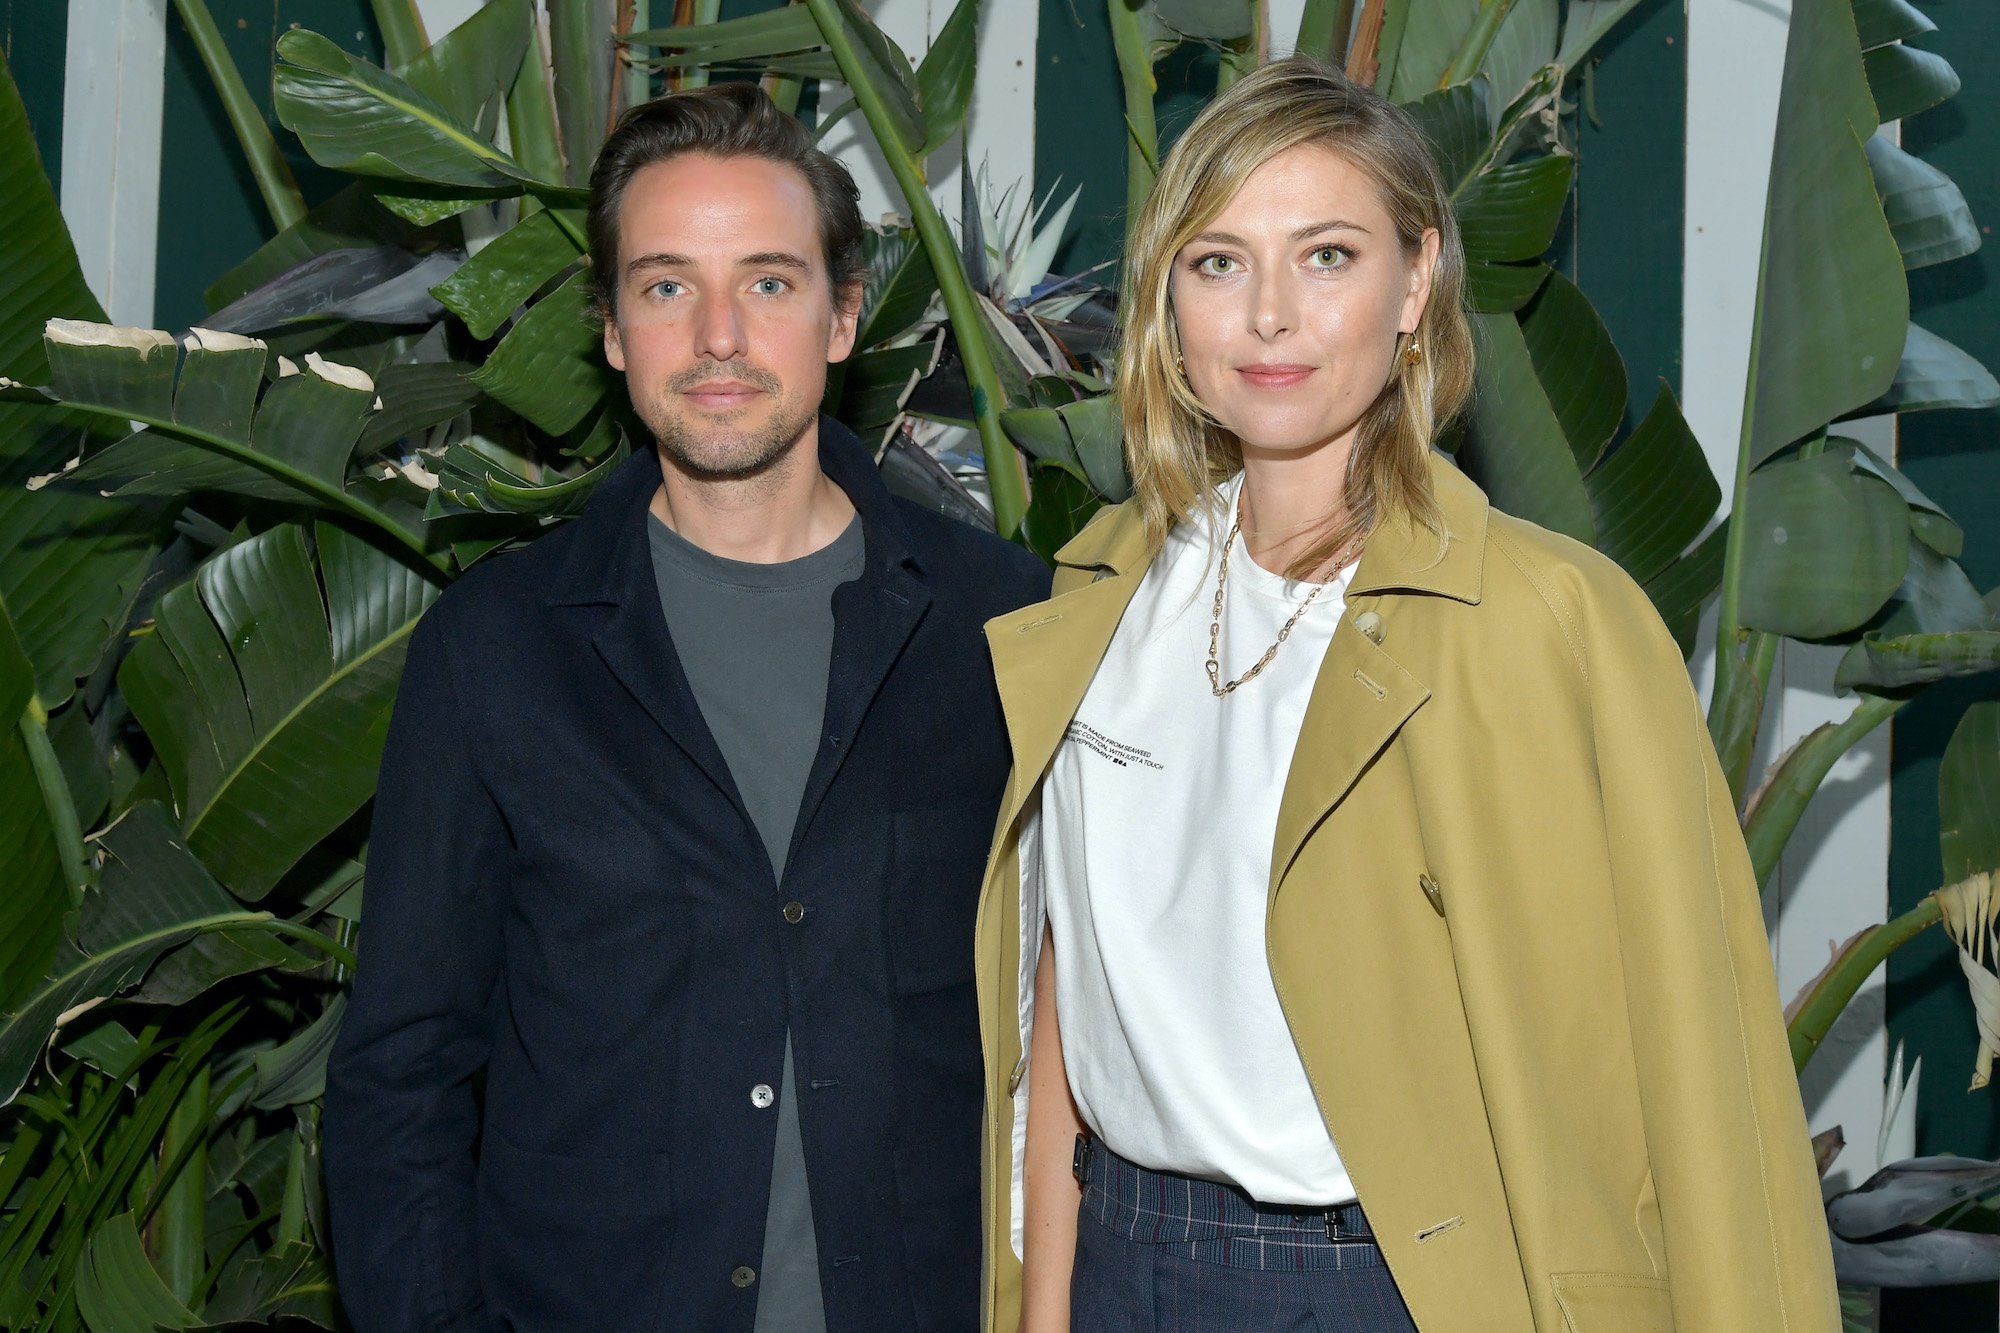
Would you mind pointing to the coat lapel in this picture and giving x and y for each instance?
(608, 575)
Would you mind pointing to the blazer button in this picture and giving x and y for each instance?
(1370, 624)
(1432, 891)
(795, 912)
(743, 1276)
(761, 1096)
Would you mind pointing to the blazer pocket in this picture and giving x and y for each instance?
(939, 859)
(1613, 1303)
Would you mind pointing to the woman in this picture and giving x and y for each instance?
(1368, 944)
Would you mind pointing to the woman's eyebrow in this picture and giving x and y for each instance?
(1299, 234)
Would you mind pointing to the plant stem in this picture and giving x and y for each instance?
(531, 115)
(1492, 13)
(402, 28)
(56, 800)
(1142, 135)
(1004, 475)
(1737, 710)
(292, 1207)
(1775, 810)
(582, 81)
(181, 1227)
(1838, 984)
(280, 191)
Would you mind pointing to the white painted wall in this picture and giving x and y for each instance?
(114, 82)
(1835, 882)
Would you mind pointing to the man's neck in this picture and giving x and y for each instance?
(785, 512)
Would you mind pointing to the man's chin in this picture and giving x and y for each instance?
(708, 450)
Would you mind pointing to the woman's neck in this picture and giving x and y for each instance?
(1291, 500)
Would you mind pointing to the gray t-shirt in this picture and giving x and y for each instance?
(756, 641)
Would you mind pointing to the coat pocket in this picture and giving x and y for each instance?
(1613, 1303)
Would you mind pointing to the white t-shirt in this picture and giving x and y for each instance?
(1155, 832)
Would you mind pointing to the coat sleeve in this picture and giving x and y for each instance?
(401, 1118)
(1745, 1232)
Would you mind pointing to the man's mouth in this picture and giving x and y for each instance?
(722, 394)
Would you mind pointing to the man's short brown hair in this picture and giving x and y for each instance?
(720, 120)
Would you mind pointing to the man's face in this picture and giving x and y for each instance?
(725, 321)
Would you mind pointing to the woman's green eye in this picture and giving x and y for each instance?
(1328, 255)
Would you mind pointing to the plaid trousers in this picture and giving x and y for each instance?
(1164, 1253)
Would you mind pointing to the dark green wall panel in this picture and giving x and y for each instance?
(35, 36)
(211, 216)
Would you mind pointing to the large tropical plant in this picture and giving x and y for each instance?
(213, 546)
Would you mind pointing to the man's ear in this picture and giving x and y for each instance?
(614, 347)
(846, 322)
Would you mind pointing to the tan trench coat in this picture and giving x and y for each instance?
(1514, 931)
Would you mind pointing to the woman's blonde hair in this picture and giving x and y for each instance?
(1176, 449)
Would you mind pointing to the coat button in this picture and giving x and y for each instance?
(1432, 891)
(1370, 624)
(743, 1276)
(795, 912)
(761, 1096)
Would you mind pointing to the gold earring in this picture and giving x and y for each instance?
(1180, 364)
(1413, 355)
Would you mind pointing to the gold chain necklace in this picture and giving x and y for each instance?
(1219, 687)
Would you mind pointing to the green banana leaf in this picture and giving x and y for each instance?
(209, 427)
(474, 64)
(31, 910)
(1493, 289)
(151, 881)
(71, 561)
(1928, 521)
(1586, 24)
(295, 1070)
(1879, 22)
(1432, 33)
(1828, 542)
(944, 78)
(1679, 591)
(351, 219)
(1525, 43)
(1511, 212)
(1927, 211)
(1933, 373)
(267, 699)
(1086, 436)
(900, 285)
(738, 41)
(1515, 445)
(490, 286)
(1832, 302)
(1206, 20)
(1578, 366)
(415, 397)
(888, 72)
(1654, 493)
(472, 482)
(354, 117)
(550, 367)
(1969, 794)
(117, 1288)
(1906, 80)
(1459, 128)
(1938, 628)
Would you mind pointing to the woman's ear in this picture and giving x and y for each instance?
(1423, 268)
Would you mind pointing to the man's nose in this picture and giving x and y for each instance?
(718, 329)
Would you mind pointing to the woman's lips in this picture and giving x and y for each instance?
(1273, 376)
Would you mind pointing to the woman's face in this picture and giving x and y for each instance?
(1288, 304)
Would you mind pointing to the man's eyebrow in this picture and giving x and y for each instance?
(1298, 234)
(762, 259)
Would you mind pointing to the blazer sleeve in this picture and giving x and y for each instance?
(1745, 1232)
(401, 1118)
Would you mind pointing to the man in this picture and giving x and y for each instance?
(665, 1016)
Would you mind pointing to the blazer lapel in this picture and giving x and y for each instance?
(609, 571)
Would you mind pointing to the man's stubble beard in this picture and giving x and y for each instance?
(719, 451)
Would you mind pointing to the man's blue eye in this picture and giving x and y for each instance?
(661, 288)
(770, 286)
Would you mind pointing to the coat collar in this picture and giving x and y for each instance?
(1044, 656)
(609, 569)
(1400, 557)
(609, 561)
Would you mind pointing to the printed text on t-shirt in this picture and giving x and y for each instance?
(1118, 753)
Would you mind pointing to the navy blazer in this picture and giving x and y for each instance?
(577, 963)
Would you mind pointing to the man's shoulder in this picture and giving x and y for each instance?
(955, 554)
(496, 594)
